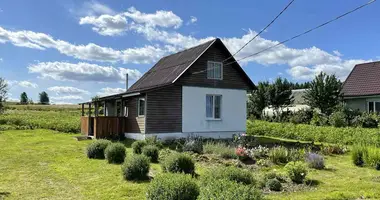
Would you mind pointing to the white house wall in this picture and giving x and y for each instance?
(233, 110)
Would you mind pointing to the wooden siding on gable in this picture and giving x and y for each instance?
(164, 110)
(135, 123)
(196, 75)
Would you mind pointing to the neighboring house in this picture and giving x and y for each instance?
(189, 92)
(298, 104)
(361, 90)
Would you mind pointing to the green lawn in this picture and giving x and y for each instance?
(43, 164)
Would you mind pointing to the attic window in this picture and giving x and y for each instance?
(214, 70)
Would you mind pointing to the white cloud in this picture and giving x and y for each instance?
(1, 60)
(110, 91)
(192, 20)
(91, 51)
(94, 8)
(337, 53)
(66, 90)
(62, 103)
(25, 84)
(82, 72)
(67, 98)
(111, 25)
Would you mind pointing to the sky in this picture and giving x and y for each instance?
(76, 49)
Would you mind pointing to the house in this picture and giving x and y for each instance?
(298, 103)
(361, 90)
(189, 92)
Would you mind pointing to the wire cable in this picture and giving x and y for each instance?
(283, 10)
(304, 33)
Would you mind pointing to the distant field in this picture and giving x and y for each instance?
(13, 105)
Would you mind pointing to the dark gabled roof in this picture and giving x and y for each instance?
(169, 68)
(364, 80)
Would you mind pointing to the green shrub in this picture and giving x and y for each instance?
(304, 132)
(136, 168)
(303, 116)
(279, 155)
(230, 173)
(228, 190)
(366, 120)
(115, 153)
(173, 187)
(151, 152)
(274, 184)
(358, 153)
(297, 171)
(275, 175)
(372, 157)
(154, 141)
(193, 144)
(334, 149)
(338, 119)
(220, 149)
(319, 119)
(138, 145)
(96, 149)
(178, 163)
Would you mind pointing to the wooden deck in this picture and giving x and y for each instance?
(103, 127)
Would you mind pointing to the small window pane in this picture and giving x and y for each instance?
(141, 106)
(377, 106)
(217, 106)
(218, 71)
(370, 107)
(209, 106)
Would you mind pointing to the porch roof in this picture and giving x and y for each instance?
(113, 97)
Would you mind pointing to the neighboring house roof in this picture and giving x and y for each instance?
(364, 80)
(298, 96)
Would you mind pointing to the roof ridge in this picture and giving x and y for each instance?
(373, 62)
(189, 48)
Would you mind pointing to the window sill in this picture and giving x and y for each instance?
(213, 119)
(141, 116)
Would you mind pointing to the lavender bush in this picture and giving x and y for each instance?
(315, 161)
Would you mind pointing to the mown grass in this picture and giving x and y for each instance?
(45, 164)
(347, 136)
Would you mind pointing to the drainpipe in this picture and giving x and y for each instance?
(126, 82)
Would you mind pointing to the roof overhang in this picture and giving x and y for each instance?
(361, 96)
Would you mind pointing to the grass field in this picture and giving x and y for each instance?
(44, 164)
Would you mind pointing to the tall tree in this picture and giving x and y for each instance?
(44, 98)
(3, 93)
(324, 93)
(24, 98)
(279, 94)
(257, 100)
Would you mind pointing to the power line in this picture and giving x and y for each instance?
(283, 10)
(304, 33)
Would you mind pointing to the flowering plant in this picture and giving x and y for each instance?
(241, 153)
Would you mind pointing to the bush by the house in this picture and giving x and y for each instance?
(303, 116)
(319, 119)
(297, 171)
(358, 153)
(279, 155)
(220, 149)
(193, 144)
(274, 184)
(315, 161)
(173, 187)
(338, 119)
(154, 141)
(136, 168)
(178, 163)
(96, 149)
(228, 190)
(115, 153)
(152, 152)
(372, 157)
(230, 173)
(138, 145)
(366, 120)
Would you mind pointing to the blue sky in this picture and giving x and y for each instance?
(78, 49)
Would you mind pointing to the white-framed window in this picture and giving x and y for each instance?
(213, 106)
(214, 70)
(373, 106)
(141, 107)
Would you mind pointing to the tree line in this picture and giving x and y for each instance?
(43, 98)
(323, 93)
